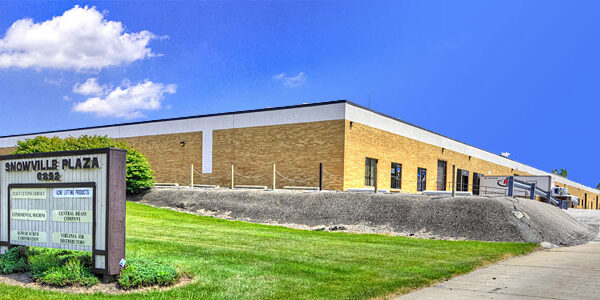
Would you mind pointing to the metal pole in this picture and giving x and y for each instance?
(232, 176)
(192, 176)
(453, 180)
(274, 177)
(320, 176)
(376, 162)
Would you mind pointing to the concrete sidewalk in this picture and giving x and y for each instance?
(559, 273)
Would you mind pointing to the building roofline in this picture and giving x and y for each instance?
(275, 109)
(182, 118)
(458, 141)
(428, 130)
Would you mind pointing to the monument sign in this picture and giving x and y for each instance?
(68, 200)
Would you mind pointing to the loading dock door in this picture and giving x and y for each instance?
(441, 175)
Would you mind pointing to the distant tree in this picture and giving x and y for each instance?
(139, 174)
(562, 172)
(598, 186)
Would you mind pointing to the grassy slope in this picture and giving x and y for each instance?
(237, 260)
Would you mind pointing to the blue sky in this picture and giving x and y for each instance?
(514, 76)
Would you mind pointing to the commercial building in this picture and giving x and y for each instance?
(357, 147)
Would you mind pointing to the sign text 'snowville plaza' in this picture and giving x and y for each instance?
(69, 200)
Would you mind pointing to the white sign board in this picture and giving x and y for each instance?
(68, 200)
(71, 210)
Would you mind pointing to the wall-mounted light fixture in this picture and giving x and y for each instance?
(182, 143)
(351, 123)
(443, 149)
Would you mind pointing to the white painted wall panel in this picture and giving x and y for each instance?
(207, 148)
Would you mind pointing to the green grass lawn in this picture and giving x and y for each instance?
(238, 260)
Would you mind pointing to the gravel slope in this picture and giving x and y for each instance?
(471, 218)
(587, 216)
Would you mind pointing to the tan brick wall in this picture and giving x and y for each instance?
(296, 149)
(591, 202)
(363, 141)
(5, 151)
(169, 160)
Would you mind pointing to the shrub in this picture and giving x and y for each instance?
(14, 260)
(58, 267)
(42, 260)
(143, 272)
(139, 174)
(41, 263)
(72, 272)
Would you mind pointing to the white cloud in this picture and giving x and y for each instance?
(127, 101)
(89, 87)
(291, 81)
(81, 39)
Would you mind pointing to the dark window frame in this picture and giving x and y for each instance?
(441, 186)
(476, 183)
(421, 181)
(370, 171)
(396, 176)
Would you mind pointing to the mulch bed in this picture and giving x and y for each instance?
(25, 280)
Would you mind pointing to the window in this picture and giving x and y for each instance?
(585, 204)
(441, 175)
(421, 179)
(396, 176)
(462, 180)
(370, 171)
(476, 183)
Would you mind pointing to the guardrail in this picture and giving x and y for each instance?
(533, 191)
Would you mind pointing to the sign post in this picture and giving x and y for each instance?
(68, 200)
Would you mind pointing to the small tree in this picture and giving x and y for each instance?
(139, 174)
(598, 186)
(562, 172)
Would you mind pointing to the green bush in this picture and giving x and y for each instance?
(72, 272)
(58, 267)
(139, 174)
(41, 263)
(14, 260)
(143, 272)
(42, 260)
